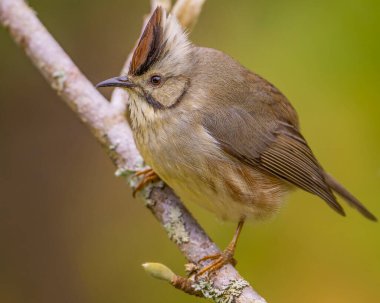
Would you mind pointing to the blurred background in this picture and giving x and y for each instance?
(70, 231)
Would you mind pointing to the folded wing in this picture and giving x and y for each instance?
(273, 146)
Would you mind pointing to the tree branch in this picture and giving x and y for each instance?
(187, 12)
(108, 124)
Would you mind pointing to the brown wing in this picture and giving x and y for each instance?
(258, 137)
(289, 157)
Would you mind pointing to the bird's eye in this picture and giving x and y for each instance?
(155, 80)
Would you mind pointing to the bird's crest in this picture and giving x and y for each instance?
(162, 39)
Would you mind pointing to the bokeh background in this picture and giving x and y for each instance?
(70, 230)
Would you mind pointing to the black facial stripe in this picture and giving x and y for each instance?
(149, 98)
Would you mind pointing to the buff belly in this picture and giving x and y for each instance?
(230, 194)
(200, 172)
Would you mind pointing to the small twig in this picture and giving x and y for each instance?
(162, 272)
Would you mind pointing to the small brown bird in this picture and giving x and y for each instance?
(218, 134)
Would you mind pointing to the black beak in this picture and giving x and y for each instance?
(121, 81)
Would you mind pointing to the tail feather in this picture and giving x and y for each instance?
(350, 199)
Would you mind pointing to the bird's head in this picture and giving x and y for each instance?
(158, 73)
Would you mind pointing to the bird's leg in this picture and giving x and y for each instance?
(227, 256)
(148, 176)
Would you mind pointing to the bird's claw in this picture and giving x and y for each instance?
(220, 259)
(148, 176)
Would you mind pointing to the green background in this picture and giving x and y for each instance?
(71, 232)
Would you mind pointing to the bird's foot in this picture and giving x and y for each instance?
(219, 260)
(148, 176)
(223, 258)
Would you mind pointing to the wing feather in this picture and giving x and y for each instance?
(274, 148)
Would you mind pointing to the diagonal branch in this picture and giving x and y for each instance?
(107, 123)
(188, 12)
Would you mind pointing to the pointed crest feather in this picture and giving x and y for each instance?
(148, 48)
(163, 38)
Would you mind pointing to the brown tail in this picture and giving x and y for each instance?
(350, 199)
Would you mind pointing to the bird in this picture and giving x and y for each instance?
(218, 134)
